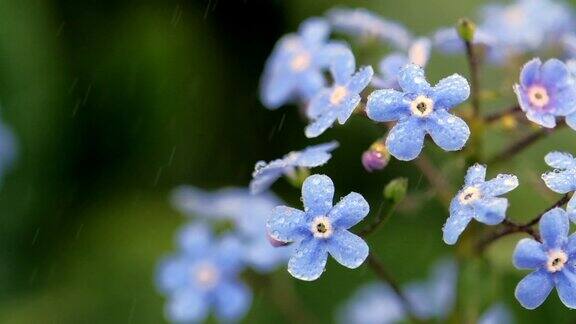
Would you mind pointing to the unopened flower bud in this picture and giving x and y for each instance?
(396, 190)
(297, 176)
(466, 29)
(275, 243)
(376, 157)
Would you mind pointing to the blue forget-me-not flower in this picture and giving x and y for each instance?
(563, 178)
(390, 65)
(421, 109)
(294, 69)
(267, 173)
(552, 262)
(203, 276)
(338, 101)
(546, 91)
(479, 200)
(373, 303)
(320, 229)
(497, 314)
(247, 213)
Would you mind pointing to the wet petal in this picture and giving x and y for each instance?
(459, 218)
(316, 155)
(554, 227)
(490, 211)
(529, 254)
(320, 125)
(348, 249)
(530, 73)
(448, 131)
(360, 79)
(309, 260)
(500, 185)
(533, 290)
(560, 160)
(286, 224)
(475, 174)
(413, 80)
(450, 92)
(233, 300)
(387, 105)
(566, 287)
(560, 181)
(406, 139)
(317, 194)
(265, 175)
(346, 108)
(349, 211)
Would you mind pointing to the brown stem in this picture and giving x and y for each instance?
(503, 113)
(435, 178)
(379, 269)
(509, 227)
(378, 221)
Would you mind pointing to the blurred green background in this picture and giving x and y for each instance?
(115, 102)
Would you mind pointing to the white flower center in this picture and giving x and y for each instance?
(338, 94)
(321, 227)
(556, 260)
(538, 96)
(422, 106)
(469, 195)
(206, 275)
(300, 62)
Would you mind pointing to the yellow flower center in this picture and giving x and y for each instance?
(422, 106)
(538, 96)
(338, 94)
(321, 227)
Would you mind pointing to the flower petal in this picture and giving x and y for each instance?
(346, 108)
(187, 306)
(360, 79)
(172, 273)
(570, 247)
(314, 31)
(544, 119)
(571, 208)
(450, 91)
(413, 80)
(497, 314)
(490, 211)
(475, 174)
(560, 160)
(554, 74)
(349, 211)
(387, 105)
(459, 218)
(195, 238)
(529, 254)
(532, 291)
(571, 120)
(448, 131)
(500, 185)
(560, 181)
(342, 64)
(348, 249)
(316, 155)
(320, 125)
(566, 286)
(309, 260)
(554, 227)
(406, 139)
(233, 300)
(309, 84)
(286, 224)
(265, 175)
(317, 194)
(564, 101)
(530, 73)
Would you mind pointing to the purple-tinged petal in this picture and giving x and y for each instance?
(448, 131)
(560, 160)
(286, 224)
(459, 218)
(450, 92)
(187, 306)
(564, 101)
(554, 74)
(490, 211)
(309, 260)
(233, 300)
(560, 181)
(406, 139)
(412, 79)
(533, 290)
(566, 286)
(554, 227)
(387, 105)
(476, 174)
(347, 248)
(317, 194)
(360, 79)
(541, 118)
(349, 211)
(530, 72)
(500, 185)
(529, 254)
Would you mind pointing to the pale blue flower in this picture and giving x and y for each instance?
(373, 303)
(203, 276)
(418, 53)
(447, 41)
(478, 199)
(421, 109)
(338, 101)
(363, 23)
(497, 314)
(563, 178)
(293, 71)
(546, 91)
(247, 213)
(552, 262)
(320, 229)
(265, 174)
